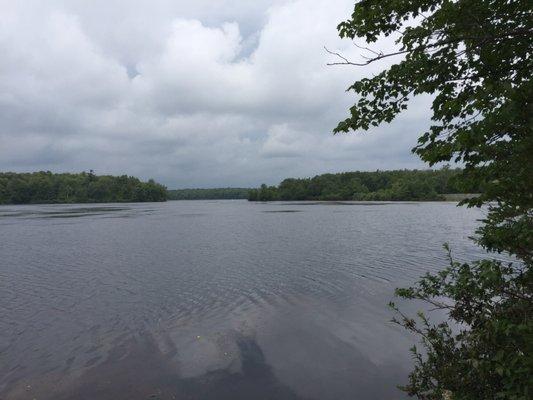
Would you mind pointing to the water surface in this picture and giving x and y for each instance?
(214, 299)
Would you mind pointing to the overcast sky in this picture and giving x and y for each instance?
(197, 93)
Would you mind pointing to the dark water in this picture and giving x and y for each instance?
(213, 299)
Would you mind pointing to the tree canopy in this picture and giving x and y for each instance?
(208, 194)
(474, 57)
(85, 187)
(403, 185)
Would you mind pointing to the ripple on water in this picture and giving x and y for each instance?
(129, 288)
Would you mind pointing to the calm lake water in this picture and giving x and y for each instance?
(214, 299)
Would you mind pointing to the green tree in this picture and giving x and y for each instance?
(267, 193)
(474, 57)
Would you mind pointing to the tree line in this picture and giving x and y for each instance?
(208, 194)
(84, 187)
(397, 185)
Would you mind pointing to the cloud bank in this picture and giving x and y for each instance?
(226, 93)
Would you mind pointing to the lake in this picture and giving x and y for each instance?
(214, 299)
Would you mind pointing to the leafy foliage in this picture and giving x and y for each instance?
(378, 185)
(208, 194)
(85, 187)
(474, 57)
(264, 193)
(486, 352)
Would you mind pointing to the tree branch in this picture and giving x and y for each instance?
(381, 55)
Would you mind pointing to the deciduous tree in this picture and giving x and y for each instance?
(474, 57)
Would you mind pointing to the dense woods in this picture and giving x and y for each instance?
(85, 187)
(208, 194)
(377, 185)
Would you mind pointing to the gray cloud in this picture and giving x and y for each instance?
(193, 94)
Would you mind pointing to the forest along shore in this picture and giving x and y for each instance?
(397, 185)
(45, 187)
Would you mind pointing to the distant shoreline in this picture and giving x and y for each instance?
(45, 187)
(448, 198)
(452, 199)
(80, 203)
(444, 184)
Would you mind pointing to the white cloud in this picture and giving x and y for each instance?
(190, 93)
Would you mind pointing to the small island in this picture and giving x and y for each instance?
(45, 187)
